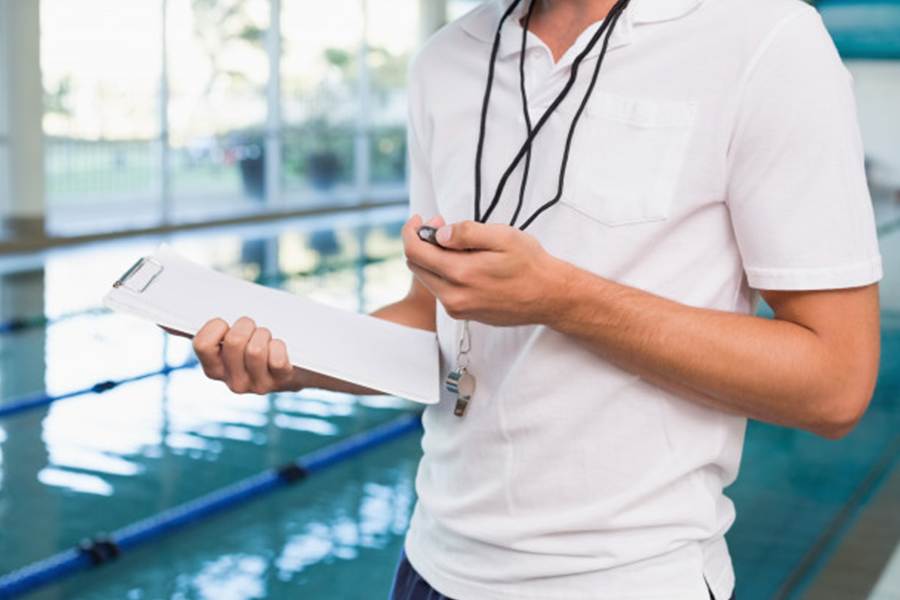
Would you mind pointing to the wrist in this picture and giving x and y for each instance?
(560, 293)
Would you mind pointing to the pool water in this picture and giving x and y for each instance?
(96, 462)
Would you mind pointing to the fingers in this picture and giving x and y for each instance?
(233, 347)
(471, 235)
(256, 361)
(437, 285)
(456, 301)
(280, 366)
(412, 225)
(244, 356)
(434, 259)
(409, 228)
(207, 347)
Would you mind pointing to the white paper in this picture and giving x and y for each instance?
(378, 354)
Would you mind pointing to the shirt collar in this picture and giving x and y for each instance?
(482, 24)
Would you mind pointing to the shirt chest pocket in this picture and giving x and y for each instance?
(628, 159)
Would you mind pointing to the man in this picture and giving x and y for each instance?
(614, 342)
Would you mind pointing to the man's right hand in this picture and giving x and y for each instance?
(245, 357)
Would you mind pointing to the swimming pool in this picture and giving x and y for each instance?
(95, 462)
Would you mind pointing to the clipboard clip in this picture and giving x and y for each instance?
(140, 275)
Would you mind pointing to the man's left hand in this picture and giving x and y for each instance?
(491, 273)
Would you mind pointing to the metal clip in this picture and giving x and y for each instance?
(140, 275)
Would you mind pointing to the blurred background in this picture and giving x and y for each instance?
(266, 138)
(161, 112)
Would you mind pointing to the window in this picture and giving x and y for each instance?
(218, 72)
(321, 86)
(165, 111)
(100, 63)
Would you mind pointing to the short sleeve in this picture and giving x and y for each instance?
(797, 192)
(421, 190)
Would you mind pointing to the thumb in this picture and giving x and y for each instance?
(471, 235)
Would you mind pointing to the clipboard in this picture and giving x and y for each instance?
(180, 295)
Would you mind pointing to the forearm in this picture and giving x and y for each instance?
(769, 369)
(415, 310)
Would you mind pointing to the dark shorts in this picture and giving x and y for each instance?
(409, 585)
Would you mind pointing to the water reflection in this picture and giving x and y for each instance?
(308, 424)
(22, 355)
(116, 457)
(231, 577)
(24, 495)
(76, 482)
(297, 542)
(74, 457)
(312, 406)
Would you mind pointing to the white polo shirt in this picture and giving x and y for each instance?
(719, 153)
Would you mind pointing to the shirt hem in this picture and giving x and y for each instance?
(721, 581)
(453, 587)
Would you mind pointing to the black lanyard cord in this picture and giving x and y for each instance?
(607, 25)
(479, 150)
(525, 111)
(575, 119)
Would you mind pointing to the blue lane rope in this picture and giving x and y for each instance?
(102, 549)
(34, 401)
